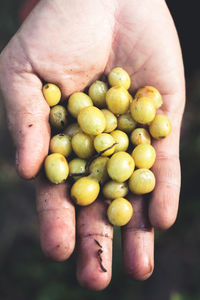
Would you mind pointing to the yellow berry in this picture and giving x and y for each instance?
(77, 165)
(78, 101)
(120, 166)
(119, 77)
(118, 100)
(122, 140)
(72, 129)
(160, 127)
(126, 123)
(82, 145)
(142, 181)
(143, 110)
(97, 92)
(61, 143)
(56, 168)
(151, 92)
(144, 156)
(98, 169)
(52, 93)
(111, 120)
(119, 212)
(85, 191)
(140, 136)
(92, 120)
(113, 189)
(58, 117)
(104, 141)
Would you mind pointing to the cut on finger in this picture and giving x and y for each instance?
(94, 246)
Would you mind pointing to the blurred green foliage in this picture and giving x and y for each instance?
(24, 271)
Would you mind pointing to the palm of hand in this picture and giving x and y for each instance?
(73, 52)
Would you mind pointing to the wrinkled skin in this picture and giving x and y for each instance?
(72, 43)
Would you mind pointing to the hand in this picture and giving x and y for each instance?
(71, 44)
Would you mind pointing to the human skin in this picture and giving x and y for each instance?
(71, 44)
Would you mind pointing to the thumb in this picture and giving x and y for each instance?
(27, 114)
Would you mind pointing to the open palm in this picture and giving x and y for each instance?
(71, 44)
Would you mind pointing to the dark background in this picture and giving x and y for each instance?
(24, 271)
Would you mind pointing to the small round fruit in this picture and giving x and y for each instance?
(58, 117)
(122, 140)
(97, 92)
(111, 120)
(82, 145)
(56, 168)
(160, 127)
(52, 93)
(119, 212)
(142, 181)
(120, 166)
(78, 101)
(61, 143)
(92, 120)
(85, 191)
(144, 156)
(151, 92)
(113, 189)
(72, 129)
(143, 110)
(140, 136)
(98, 169)
(119, 77)
(118, 100)
(126, 123)
(104, 141)
(77, 166)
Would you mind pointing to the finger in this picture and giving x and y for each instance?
(56, 216)
(94, 246)
(163, 206)
(27, 113)
(138, 242)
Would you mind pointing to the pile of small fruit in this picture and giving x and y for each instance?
(101, 142)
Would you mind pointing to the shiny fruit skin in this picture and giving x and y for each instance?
(126, 123)
(82, 145)
(92, 120)
(97, 92)
(120, 166)
(61, 143)
(151, 92)
(72, 129)
(58, 117)
(113, 189)
(78, 101)
(119, 212)
(77, 165)
(119, 77)
(56, 168)
(98, 169)
(144, 156)
(142, 181)
(140, 136)
(118, 100)
(104, 141)
(111, 120)
(85, 191)
(122, 140)
(160, 127)
(143, 110)
(52, 94)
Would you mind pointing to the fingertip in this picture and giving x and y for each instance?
(95, 281)
(140, 269)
